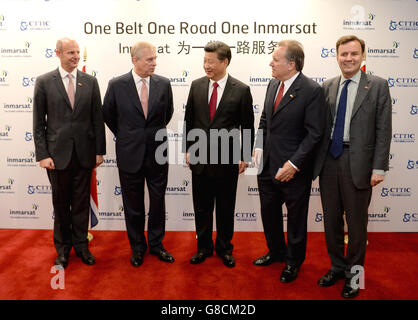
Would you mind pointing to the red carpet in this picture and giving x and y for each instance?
(28, 255)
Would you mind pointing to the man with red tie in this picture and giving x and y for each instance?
(290, 128)
(137, 106)
(218, 104)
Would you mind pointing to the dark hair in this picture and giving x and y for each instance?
(222, 50)
(294, 52)
(349, 38)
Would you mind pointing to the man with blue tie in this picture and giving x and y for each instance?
(353, 157)
(137, 107)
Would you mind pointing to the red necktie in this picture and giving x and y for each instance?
(279, 96)
(213, 101)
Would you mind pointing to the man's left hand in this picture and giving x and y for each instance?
(376, 179)
(242, 166)
(99, 160)
(286, 173)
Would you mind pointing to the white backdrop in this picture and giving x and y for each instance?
(179, 29)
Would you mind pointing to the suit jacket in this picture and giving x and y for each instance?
(235, 111)
(370, 128)
(123, 114)
(57, 127)
(294, 129)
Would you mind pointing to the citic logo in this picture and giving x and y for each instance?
(403, 137)
(34, 25)
(28, 81)
(28, 136)
(256, 108)
(412, 164)
(319, 80)
(414, 110)
(415, 55)
(410, 217)
(403, 25)
(49, 53)
(326, 53)
(396, 192)
(403, 82)
(118, 191)
(319, 217)
(246, 216)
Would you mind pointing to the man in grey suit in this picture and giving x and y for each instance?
(218, 105)
(69, 142)
(353, 158)
(137, 107)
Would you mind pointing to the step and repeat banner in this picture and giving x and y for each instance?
(179, 29)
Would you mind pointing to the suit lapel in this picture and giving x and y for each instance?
(132, 92)
(153, 93)
(203, 90)
(289, 96)
(363, 89)
(80, 86)
(270, 96)
(61, 88)
(332, 93)
(225, 96)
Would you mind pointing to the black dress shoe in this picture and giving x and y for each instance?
(62, 260)
(228, 260)
(164, 255)
(348, 291)
(86, 256)
(267, 259)
(199, 257)
(137, 259)
(330, 278)
(289, 273)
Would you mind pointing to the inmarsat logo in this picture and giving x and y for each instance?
(359, 20)
(8, 188)
(179, 189)
(3, 78)
(16, 52)
(19, 107)
(380, 216)
(389, 52)
(180, 81)
(5, 134)
(25, 214)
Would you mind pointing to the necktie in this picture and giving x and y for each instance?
(70, 90)
(144, 97)
(336, 148)
(279, 96)
(213, 101)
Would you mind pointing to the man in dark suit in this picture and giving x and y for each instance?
(70, 141)
(219, 111)
(137, 106)
(352, 158)
(290, 129)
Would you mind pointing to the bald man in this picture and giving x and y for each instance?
(70, 141)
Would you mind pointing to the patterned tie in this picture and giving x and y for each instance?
(336, 148)
(213, 101)
(70, 90)
(279, 96)
(144, 97)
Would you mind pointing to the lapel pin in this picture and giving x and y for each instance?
(292, 96)
(79, 84)
(367, 87)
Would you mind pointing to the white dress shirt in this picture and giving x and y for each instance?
(65, 80)
(220, 89)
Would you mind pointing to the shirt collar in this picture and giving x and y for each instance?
(64, 73)
(288, 82)
(221, 82)
(355, 78)
(137, 78)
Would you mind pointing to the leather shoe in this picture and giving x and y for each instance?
(164, 255)
(137, 259)
(348, 291)
(289, 273)
(86, 256)
(228, 260)
(62, 260)
(267, 259)
(199, 257)
(330, 278)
